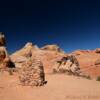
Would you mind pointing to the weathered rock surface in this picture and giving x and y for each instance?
(52, 48)
(22, 55)
(26, 51)
(97, 50)
(32, 73)
(3, 51)
(49, 57)
(67, 64)
(97, 62)
(29, 50)
(87, 63)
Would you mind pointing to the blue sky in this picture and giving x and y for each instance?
(72, 24)
(68, 43)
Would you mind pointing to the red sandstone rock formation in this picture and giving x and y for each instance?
(47, 57)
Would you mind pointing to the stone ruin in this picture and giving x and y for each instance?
(32, 73)
(68, 64)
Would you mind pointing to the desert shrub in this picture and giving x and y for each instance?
(54, 71)
(62, 70)
(98, 78)
(88, 77)
(10, 70)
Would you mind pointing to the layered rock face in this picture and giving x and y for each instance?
(89, 63)
(22, 55)
(32, 73)
(67, 64)
(50, 56)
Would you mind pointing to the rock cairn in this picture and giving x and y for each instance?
(32, 73)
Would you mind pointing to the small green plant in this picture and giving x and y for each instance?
(98, 78)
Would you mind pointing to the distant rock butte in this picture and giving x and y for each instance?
(80, 52)
(52, 48)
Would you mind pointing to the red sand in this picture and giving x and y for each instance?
(59, 87)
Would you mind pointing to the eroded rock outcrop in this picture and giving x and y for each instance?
(5, 61)
(52, 48)
(26, 51)
(22, 55)
(47, 57)
(68, 64)
(3, 51)
(32, 73)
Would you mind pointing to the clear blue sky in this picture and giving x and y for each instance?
(72, 24)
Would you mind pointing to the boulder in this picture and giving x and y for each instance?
(97, 50)
(97, 62)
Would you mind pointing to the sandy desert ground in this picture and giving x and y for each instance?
(59, 87)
